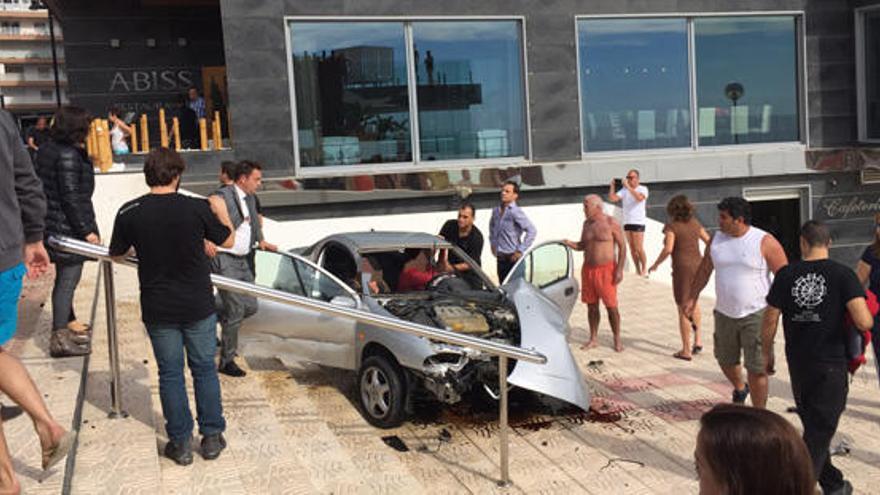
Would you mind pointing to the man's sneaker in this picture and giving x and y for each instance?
(212, 445)
(231, 369)
(739, 396)
(179, 452)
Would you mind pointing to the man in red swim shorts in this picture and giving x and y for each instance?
(600, 273)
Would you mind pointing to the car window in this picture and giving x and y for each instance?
(543, 266)
(289, 274)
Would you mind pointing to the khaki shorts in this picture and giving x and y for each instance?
(733, 335)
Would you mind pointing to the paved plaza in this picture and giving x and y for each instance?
(297, 430)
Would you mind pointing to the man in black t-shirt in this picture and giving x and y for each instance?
(464, 234)
(168, 231)
(814, 296)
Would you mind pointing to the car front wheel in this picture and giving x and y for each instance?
(381, 388)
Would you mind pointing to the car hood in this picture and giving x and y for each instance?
(543, 328)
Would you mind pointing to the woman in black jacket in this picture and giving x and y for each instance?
(68, 180)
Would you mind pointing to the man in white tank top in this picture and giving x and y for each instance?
(743, 258)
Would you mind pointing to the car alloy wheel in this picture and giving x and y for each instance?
(381, 391)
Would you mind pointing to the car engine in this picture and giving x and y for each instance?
(481, 319)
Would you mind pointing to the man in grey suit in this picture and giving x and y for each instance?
(240, 200)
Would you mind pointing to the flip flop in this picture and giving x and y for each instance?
(679, 355)
(59, 451)
(697, 349)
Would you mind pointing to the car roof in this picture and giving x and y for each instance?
(384, 240)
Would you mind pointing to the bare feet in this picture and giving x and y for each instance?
(618, 346)
(590, 345)
(12, 488)
(55, 441)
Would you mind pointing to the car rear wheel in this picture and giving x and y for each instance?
(382, 392)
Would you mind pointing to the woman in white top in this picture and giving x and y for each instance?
(118, 133)
(633, 197)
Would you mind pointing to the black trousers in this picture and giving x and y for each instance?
(820, 391)
(505, 264)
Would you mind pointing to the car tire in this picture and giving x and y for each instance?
(382, 392)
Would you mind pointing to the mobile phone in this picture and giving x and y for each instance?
(618, 184)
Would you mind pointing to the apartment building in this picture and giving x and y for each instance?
(27, 70)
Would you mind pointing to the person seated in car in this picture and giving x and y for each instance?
(371, 272)
(419, 270)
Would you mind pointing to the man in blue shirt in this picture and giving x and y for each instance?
(196, 103)
(511, 233)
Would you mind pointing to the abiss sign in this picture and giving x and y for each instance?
(152, 81)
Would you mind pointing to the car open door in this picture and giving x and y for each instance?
(292, 333)
(550, 268)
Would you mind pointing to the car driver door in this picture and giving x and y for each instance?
(291, 332)
(550, 268)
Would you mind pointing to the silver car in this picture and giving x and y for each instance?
(366, 271)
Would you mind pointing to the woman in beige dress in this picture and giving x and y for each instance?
(682, 239)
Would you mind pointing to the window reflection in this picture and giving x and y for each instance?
(352, 104)
(746, 71)
(470, 89)
(634, 84)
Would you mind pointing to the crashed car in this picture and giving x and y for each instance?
(367, 271)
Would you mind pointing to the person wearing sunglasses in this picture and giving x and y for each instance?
(868, 271)
(633, 198)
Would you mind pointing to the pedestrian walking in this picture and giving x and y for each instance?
(22, 212)
(68, 181)
(239, 201)
(633, 197)
(749, 451)
(600, 272)
(743, 257)
(511, 233)
(682, 236)
(167, 231)
(868, 271)
(813, 296)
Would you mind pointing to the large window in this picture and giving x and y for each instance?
(644, 85)
(634, 84)
(868, 64)
(407, 92)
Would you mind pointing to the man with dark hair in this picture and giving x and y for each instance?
(813, 296)
(37, 135)
(239, 201)
(464, 234)
(511, 233)
(167, 231)
(227, 172)
(196, 103)
(744, 256)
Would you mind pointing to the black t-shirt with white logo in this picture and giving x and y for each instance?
(812, 296)
(168, 233)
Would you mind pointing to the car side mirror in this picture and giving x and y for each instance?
(344, 301)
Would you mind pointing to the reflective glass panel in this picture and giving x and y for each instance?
(352, 104)
(872, 74)
(470, 89)
(746, 70)
(634, 84)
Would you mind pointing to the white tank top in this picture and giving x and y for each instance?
(117, 140)
(742, 278)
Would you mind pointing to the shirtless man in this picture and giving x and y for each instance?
(600, 273)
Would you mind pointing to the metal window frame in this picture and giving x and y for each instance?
(416, 164)
(798, 16)
(861, 73)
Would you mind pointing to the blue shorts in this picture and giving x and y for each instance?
(10, 289)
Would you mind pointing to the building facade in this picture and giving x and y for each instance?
(28, 77)
(369, 107)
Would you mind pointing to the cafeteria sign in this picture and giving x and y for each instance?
(850, 207)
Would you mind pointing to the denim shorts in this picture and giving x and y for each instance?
(10, 289)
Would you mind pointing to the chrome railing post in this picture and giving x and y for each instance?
(112, 343)
(502, 421)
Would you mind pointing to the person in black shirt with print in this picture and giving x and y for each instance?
(813, 296)
(167, 231)
(464, 234)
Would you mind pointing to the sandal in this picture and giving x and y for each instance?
(679, 355)
(59, 451)
(697, 349)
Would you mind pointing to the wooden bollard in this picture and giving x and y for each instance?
(216, 132)
(145, 134)
(134, 138)
(104, 154)
(163, 129)
(203, 134)
(175, 129)
(90, 140)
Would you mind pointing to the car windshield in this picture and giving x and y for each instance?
(412, 269)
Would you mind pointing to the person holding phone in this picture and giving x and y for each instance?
(633, 198)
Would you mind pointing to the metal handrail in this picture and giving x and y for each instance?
(503, 351)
